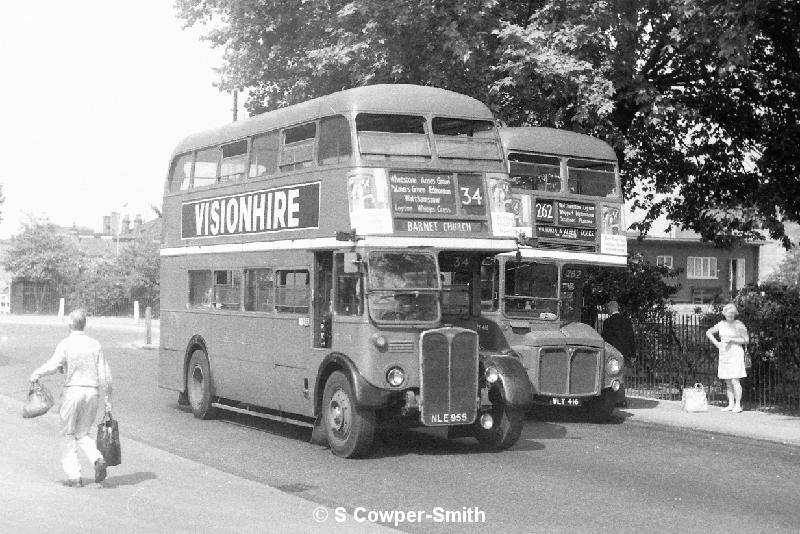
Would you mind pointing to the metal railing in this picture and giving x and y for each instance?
(675, 353)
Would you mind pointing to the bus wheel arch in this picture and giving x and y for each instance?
(199, 387)
(350, 429)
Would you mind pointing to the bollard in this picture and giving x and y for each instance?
(61, 308)
(148, 325)
(135, 311)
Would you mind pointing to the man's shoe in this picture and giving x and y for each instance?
(73, 483)
(100, 471)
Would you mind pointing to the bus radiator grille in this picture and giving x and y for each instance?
(568, 372)
(448, 376)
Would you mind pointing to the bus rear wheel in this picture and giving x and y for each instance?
(198, 386)
(506, 428)
(349, 429)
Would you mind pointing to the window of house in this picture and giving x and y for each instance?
(664, 261)
(234, 158)
(264, 155)
(334, 140)
(205, 167)
(292, 291)
(180, 176)
(298, 147)
(259, 290)
(701, 267)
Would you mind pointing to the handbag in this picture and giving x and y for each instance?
(748, 361)
(694, 399)
(108, 440)
(40, 400)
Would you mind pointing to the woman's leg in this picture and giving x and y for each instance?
(730, 394)
(737, 394)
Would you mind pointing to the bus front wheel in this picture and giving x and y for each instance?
(601, 409)
(349, 429)
(506, 427)
(198, 386)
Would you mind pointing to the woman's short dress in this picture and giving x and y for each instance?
(731, 358)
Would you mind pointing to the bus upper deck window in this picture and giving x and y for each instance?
(264, 155)
(465, 138)
(205, 167)
(537, 173)
(234, 157)
(592, 178)
(180, 176)
(381, 135)
(298, 146)
(334, 140)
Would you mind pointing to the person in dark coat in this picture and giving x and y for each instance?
(618, 331)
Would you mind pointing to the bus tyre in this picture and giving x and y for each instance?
(198, 386)
(601, 408)
(506, 429)
(350, 430)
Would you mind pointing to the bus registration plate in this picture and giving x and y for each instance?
(560, 401)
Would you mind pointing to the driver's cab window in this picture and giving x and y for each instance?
(490, 285)
(457, 284)
(531, 290)
(349, 285)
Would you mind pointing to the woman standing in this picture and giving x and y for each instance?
(733, 337)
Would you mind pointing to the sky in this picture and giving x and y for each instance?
(95, 96)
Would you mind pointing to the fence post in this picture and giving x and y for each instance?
(135, 311)
(148, 325)
(60, 308)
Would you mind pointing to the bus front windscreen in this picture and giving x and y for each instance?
(531, 290)
(403, 287)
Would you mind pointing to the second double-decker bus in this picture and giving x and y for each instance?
(302, 268)
(564, 201)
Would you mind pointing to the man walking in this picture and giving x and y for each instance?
(81, 358)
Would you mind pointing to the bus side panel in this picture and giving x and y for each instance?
(170, 357)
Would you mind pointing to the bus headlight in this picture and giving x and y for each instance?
(491, 375)
(395, 376)
(613, 366)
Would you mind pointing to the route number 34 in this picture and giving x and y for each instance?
(471, 196)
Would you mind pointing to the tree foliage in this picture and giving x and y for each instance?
(642, 290)
(788, 271)
(40, 254)
(700, 98)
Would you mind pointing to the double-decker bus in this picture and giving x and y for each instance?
(564, 201)
(300, 268)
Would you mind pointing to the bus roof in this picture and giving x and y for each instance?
(554, 141)
(381, 98)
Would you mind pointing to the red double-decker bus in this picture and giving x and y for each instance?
(305, 268)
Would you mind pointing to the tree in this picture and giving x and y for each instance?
(788, 271)
(138, 264)
(642, 289)
(41, 255)
(700, 98)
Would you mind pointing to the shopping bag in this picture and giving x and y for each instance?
(748, 361)
(108, 440)
(694, 399)
(39, 401)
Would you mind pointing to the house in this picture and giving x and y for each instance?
(709, 274)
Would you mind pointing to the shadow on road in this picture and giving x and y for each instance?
(130, 479)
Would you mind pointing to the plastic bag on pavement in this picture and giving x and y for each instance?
(108, 440)
(694, 399)
(39, 401)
